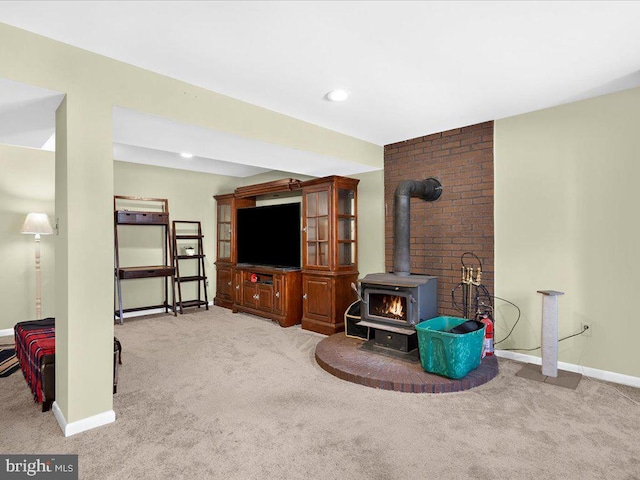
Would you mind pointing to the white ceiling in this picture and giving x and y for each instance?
(142, 138)
(27, 114)
(413, 68)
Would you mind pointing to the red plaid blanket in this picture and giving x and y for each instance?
(34, 340)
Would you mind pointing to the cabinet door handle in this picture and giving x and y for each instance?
(304, 296)
(237, 287)
(229, 283)
(277, 294)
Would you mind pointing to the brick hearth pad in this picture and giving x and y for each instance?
(353, 359)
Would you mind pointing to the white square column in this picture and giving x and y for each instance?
(550, 332)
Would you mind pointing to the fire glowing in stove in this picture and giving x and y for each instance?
(391, 306)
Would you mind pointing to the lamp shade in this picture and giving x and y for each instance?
(37, 223)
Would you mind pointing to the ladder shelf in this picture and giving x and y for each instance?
(190, 230)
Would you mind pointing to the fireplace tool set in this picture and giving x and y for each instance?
(476, 299)
(474, 294)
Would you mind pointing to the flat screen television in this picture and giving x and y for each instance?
(269, 235)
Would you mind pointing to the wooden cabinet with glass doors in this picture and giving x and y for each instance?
(329, 266)
(225, 245)
(329, 256)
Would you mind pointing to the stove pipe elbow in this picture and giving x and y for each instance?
(428, 190)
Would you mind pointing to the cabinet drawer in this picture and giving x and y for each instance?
(146, 272)
(142, 218)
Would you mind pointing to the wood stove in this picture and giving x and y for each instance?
(393, 305)
(399, 301)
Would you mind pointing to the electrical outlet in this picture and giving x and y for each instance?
(586, 328)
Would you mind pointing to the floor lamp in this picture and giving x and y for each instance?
(37, 224)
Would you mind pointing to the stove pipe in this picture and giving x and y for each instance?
(428, 190)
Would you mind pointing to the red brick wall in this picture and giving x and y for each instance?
(461, 220)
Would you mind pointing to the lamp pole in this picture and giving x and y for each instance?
(38, 281)
(37, 224)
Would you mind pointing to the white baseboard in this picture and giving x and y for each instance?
(141, 313)
(83, 425)
(570, 367)
(7, 332)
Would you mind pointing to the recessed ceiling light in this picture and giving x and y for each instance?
(338, 95)
(186, 155)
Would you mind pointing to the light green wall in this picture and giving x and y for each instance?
(566, 219)
(84, 255)
(370, 222)
(26, 185)
(84, 177)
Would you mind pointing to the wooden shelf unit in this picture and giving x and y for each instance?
(226, 257)
(329, 252)
(143, 218)
(200, 277)
(317, 295)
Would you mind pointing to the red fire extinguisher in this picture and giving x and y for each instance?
(488, 335)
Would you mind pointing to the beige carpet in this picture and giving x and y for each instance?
(214, 395)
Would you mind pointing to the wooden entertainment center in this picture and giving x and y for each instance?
(269, 292)
(315, 295)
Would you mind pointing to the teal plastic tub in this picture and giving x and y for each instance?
(448, 354)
